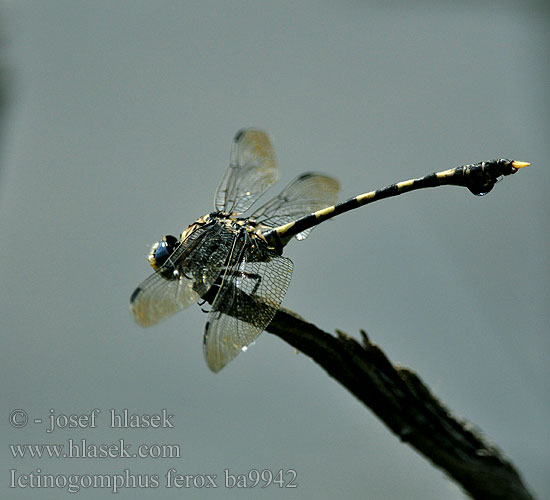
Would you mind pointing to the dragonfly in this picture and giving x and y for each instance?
(235, 261)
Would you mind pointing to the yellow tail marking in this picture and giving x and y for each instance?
(324, 211)
(404, 184)
(283, 229)
(446, 173)
(365, 196)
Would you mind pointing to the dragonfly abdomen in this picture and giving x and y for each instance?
(479, 178)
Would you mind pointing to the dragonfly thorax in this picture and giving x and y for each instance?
(161, 252)
(233, 223)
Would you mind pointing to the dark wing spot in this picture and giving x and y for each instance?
(135, 294)
(239, 135)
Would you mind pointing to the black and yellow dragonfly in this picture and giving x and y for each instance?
(236, 262)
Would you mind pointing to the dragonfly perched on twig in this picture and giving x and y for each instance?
(236, 261)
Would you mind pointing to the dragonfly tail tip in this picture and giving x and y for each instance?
(520, 164)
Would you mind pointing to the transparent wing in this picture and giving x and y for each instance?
(304, 195)
(248, 299)
(157, 298)
(185, 277)
(252, 169)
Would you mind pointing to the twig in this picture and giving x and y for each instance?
(399, 398)
(402, 401)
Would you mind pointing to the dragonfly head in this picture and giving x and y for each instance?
(161, 250)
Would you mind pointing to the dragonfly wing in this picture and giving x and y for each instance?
(304, 195)
(248, 298)
(186, 276)
(157, 298)
(252, 169)
(209, 257)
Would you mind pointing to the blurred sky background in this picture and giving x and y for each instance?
(117, 130)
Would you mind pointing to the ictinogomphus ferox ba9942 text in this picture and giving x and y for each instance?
(236, 261)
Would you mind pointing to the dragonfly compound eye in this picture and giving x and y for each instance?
(161, 250)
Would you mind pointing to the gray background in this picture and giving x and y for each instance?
(118, 130)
